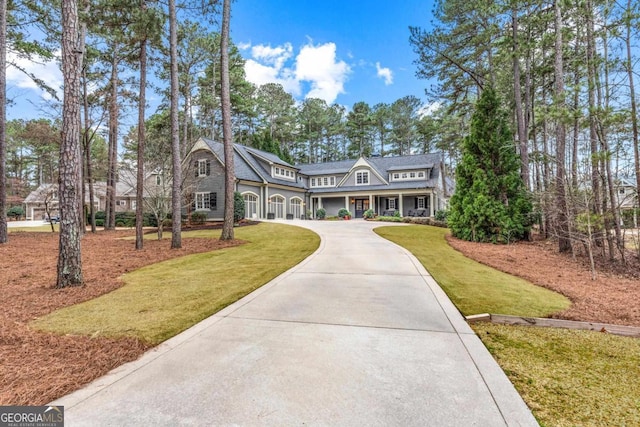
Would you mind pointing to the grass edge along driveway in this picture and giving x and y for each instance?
(161, 300)
(568, 378)
(473, 287)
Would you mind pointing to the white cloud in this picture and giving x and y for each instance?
(318, 65)
(49, 72)
(315, 65)
(429, 109)
(243, 46)
(385, 73)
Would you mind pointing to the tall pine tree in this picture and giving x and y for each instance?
(490, 202)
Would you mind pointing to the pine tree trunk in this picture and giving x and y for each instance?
(69, 257)
(141, 140)
(229, 173)
(4, 234)
(517, 91)
(110, 208)
(561, 217)
(632, 95)
(87, 153)
(176, 195)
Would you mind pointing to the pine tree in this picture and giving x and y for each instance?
(490, 202)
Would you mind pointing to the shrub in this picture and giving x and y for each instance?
(397, 214)
(441, 215)
(369, 214)
(198, 217)
(389, 218)
(343, 212)
(238, 207)
(321, 213)
(15, 212)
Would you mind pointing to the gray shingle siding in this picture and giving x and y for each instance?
(254, 174)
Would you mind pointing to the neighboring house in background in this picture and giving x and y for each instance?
(47, 195)
(627, 198)
(413, 185)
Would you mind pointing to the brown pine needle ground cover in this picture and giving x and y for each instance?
(37, 367)
(614, 297)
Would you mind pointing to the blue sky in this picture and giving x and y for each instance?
(342, 51)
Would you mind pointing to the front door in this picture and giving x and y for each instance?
(361, 206)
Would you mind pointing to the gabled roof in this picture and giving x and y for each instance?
(246, 164)
(362, 162)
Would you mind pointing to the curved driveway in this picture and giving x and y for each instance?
(358, 334)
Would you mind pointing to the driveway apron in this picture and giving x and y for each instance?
(358, 334)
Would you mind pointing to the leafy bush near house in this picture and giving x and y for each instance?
(343, 212)
(238, 207)
(396, 218)
(321, 213)
(397, 214)
(198, 217)
(369, 214)
(441, 215)
(15, 212)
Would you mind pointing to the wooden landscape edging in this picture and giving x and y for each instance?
(628, 331)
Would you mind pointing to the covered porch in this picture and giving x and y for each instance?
(407, 203)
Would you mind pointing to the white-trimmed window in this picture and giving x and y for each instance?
(287, 174)
(296, 207)
(250, 205)
(396, 176)
(202, 167)
(420, 174)
(133, 205)
(277, 206)
(204, 201)
(420, 203)
(159, 178)
(362, 178)
(408, 175)
(392, 203)
(323, 181)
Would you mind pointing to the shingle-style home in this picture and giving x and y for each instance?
(414, 185)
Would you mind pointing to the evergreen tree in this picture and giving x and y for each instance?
(490, 202)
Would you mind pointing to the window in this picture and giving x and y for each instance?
(420, 203)
(332, 181)
(622, 191)
(277, 206)
(362, 178)
(420, 174)
(313, 182)
(203, 168)
(159, 179)
(412, 174)
(392, 203)
(404, 175)
(296, 207)
(396, 176)
(284, 173)
(325, 181)
(133, 205)
(250, 205)
(206, 201)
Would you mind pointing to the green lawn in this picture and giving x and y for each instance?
(473, 287)
(161, 300)
(568, 378)
(44, 228)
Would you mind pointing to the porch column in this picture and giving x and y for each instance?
(346, 202)
(319, 202)
(432, 203)
(400, 204)
(371, 203)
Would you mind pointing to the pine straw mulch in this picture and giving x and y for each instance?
(614, 297)
(37, 367)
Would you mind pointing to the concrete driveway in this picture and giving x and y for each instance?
(358, 334)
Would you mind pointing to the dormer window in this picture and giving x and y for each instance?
(203, 167)
(408, 175)
(283, 173)
(323, 181)
(362, 178)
